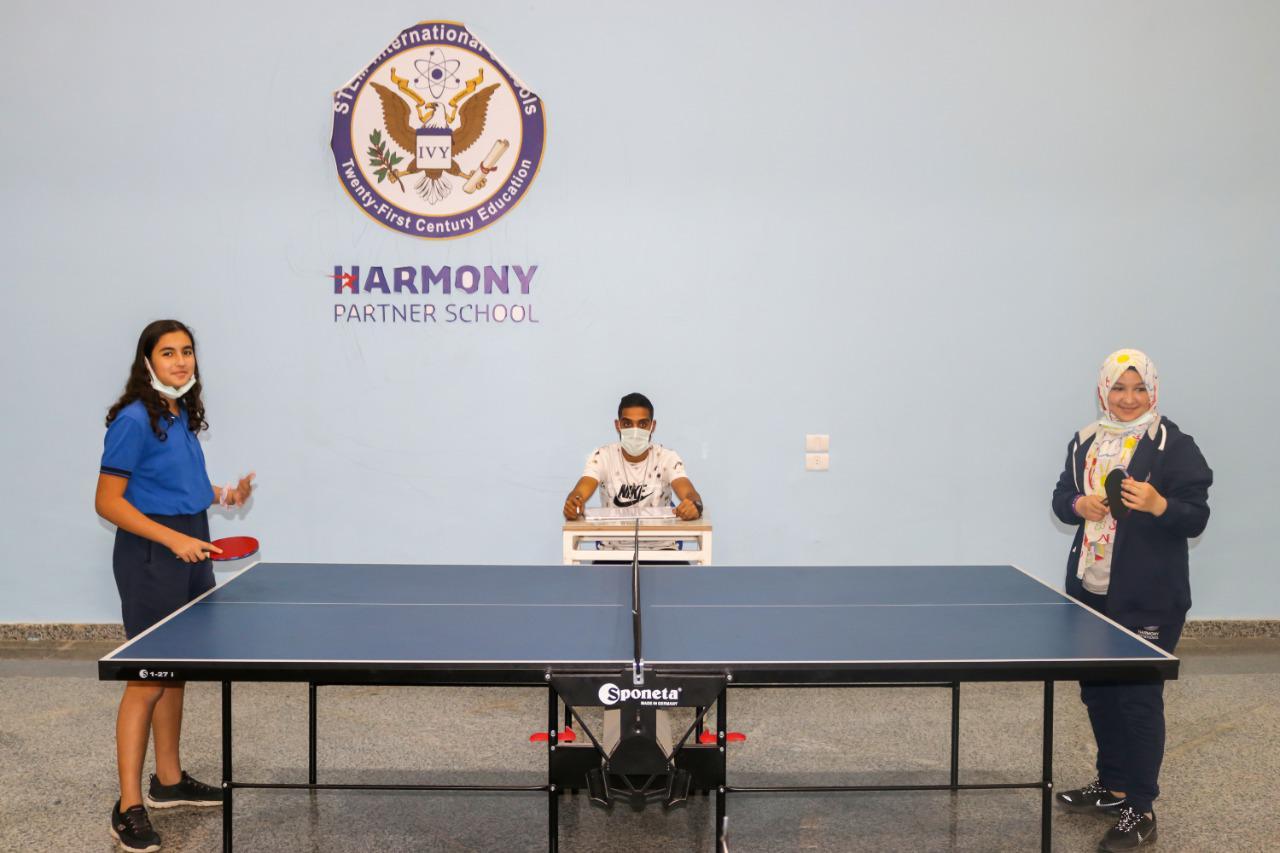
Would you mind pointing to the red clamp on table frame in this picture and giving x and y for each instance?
(709, 736)
(566, 736)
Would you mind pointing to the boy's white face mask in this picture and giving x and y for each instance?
(168, 390)
(635, 441)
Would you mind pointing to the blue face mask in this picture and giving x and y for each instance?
(635, 441)
(168, 390)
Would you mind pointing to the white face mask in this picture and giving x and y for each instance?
(635, 441)
(168, 390)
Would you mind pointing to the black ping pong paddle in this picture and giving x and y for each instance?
(1114, 500)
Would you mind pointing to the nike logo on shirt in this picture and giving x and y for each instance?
(630, 495)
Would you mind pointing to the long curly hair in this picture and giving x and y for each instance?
(138, 386)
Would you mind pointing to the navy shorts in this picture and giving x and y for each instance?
(152, 581)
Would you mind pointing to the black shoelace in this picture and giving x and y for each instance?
(138, 821)
(1129, 818)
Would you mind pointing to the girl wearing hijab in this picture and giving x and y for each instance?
(1130, 564)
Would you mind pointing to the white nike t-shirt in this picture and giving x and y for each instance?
(635, 484)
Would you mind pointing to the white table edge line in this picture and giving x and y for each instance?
(969, 604)
(531, 661)
(415, 604)
(650, 663)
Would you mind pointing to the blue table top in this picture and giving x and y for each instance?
(714, 616)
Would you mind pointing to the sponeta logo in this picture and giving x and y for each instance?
(612, 694)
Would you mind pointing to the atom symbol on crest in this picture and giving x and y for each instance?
(437, 73)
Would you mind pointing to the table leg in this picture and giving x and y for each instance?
(1046, 802)
(553, 796)
(311, 733)
(226, 767)
(722, 729)
(955, 734)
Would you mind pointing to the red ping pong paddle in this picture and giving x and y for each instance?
(1115, 500)
(235, 548)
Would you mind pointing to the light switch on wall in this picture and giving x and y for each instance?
(816, 461)
(817, 443)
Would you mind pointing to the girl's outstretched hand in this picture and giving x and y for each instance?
(238, 494)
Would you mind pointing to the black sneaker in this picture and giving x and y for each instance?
(132, 829)
(1092, 798)
(188, 792)
(1133, 830)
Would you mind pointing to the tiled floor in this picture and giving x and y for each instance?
(57, 773)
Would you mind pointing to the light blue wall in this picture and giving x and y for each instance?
(917, 227)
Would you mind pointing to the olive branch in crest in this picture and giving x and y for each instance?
(383, 160)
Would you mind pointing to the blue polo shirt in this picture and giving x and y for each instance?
(165, 477)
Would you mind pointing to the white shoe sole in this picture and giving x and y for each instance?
(170, 804)
(123, 846)
(1108, 811)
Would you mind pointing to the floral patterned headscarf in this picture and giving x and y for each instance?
(1113, 446)
(1112, 369)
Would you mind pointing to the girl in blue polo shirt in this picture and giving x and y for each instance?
(154, 488)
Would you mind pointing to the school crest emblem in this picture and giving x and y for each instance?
(435, 138)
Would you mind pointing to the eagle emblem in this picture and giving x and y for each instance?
(444, 131)
(436, 138)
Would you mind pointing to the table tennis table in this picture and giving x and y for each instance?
(575, 631)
